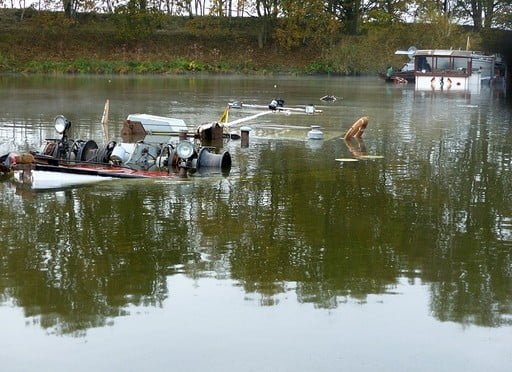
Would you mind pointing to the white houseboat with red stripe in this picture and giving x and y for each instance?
(452, 70)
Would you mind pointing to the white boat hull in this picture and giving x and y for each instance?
(449, 83)
(452, 70)
(44, 180)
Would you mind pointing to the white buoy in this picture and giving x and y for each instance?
(315, 133)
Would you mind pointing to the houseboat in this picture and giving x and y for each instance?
(452, 70)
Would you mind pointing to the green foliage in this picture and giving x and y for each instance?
(350, 57)
(386, 12)
(380, 16)
(320, 67)
(209, 27)
(305, 23)
(221, 27)
(88, 66)
(6, 64)
(51, 22)
(134, 23)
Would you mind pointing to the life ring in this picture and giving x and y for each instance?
(357, 129)
(399, 80)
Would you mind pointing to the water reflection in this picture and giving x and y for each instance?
(287, 218)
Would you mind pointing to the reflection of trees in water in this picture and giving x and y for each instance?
(309, 224)
(439, 211)
(293, 222)
(455, 198)
(476, 286)
(76, 259)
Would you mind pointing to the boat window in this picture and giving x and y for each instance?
(422, 64)
(443, 64)
(460, 64)
(451, 65)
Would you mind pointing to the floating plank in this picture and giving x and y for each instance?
(248, 118)
(278, 108)
(104, 121)
(346, 159)
(371, 157)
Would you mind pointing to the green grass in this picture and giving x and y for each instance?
(89, 66)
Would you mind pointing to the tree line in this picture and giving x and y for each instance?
(347, 15)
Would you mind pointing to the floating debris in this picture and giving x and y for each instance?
(346, 159)
(328, 98)
(371, 157)
(236, 104)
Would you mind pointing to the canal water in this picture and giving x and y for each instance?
(400, 261)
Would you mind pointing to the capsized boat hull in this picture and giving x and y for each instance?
(37, 176)
(102, 170)
(48, 180)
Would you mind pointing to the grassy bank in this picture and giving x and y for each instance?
(36, 42)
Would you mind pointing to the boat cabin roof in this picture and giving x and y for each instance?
(449, 53)
(158, 124)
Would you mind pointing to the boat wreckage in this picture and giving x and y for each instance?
(64, 162)
(151, 147)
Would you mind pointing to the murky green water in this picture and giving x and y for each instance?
(292, 262)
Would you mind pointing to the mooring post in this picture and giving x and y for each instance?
(245, 136)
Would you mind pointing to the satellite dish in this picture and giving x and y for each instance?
(411, 51)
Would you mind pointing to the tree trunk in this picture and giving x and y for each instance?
(352, 19)
(488, 14)
(476, 14)
(68, 8)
